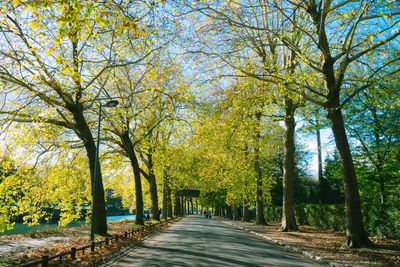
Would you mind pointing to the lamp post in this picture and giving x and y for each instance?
(111, 103)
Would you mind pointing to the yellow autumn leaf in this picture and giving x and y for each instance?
(58, 58)
(34, 24)
(102, 23)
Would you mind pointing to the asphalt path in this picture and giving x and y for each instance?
(197, 241)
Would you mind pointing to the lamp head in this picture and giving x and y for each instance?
(111, 103)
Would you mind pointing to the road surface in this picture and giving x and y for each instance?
(197, 241)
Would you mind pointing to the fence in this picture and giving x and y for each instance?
(44, 261)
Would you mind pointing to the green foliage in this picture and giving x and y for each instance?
(273, 213)
(64, 56)
(306, 188)
(332, 182)
(324, 216)
(378, 221)
(55, 193)
(384, 220)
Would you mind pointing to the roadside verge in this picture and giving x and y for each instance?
(324, 246)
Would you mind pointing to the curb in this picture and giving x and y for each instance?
(288, 247)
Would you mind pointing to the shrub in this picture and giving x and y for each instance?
(324, 216)
(379, 220)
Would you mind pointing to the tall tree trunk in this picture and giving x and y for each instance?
(245, 212)
(178, 208)
(228, 212)
(100, 216)
(355, 232)
(288, 216)
(165, 197)
(128, 146)
(197, 206)
(169, 201)
(260, 218)
(183, 206)
(84, 133)
(154, 198)
(235, 213)
(153, 188)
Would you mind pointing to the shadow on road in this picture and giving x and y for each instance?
(197, 241)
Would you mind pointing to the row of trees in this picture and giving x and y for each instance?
(320, 55)
(60, 59)
(220, 118)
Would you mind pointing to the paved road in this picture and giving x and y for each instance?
(196, 241)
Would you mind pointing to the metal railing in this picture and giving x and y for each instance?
(44, 261)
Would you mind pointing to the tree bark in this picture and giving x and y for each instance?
(245, 212)
(153, 188)
(100, 216)
(235, 213)
(356, 235)
(169, 201)
(84, 133)
(228, 211)
(165, 197)
(183, 206)
(288, 216)
(260, 218)
(178, 208)
(128, 146)
(222, 211)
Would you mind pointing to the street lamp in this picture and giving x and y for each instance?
(109, 104)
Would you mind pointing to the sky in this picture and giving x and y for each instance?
(310, 144)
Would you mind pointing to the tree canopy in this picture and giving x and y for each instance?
(210, 96)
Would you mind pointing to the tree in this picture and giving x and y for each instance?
(54, 66)
(374, 124)
(355, 25)
(332, 37)
(248, 34)
(150, 102)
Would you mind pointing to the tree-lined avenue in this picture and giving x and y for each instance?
(197, 241)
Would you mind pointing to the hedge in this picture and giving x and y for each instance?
(324, 216)
(380, 221)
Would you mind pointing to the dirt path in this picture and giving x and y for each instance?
(23, 243)
(14, 244)
(11, 247)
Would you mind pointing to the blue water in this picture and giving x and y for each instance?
(123, 217)
(20, 228)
